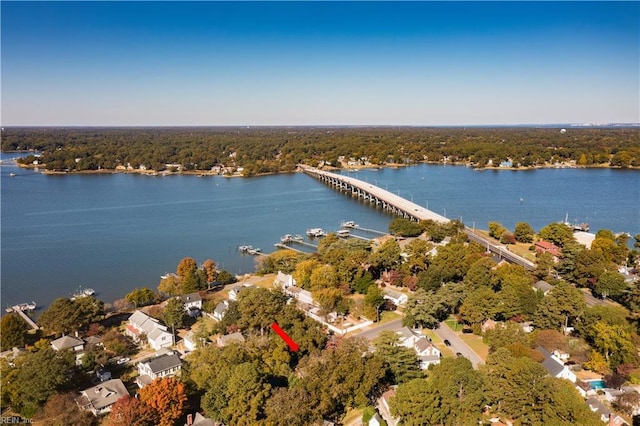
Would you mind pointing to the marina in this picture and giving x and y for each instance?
(20, 310)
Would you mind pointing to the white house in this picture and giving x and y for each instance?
(100, 398)
(191, 342)
(167, 365)
(157, 334)
(427, 353)
(220, 310)
(300, 294)
(75, 344)
(284, 280)
(233, 294)
(192, 303)
(556, 367)
(396, 297)
(407, 338)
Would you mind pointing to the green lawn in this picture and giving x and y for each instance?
(476, 343)
(387, 316)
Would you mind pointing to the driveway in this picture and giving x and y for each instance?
(458, 345)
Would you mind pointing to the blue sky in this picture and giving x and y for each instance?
(319, 63)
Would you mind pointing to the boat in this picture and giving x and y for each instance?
(22, 307)
(288, 238)
(343, 233)
(315, 232)
(83, 292)
(254, 251)
(245, 249)
(12, 174)
(576, 227)
(349, 224)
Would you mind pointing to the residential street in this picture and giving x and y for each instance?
(458, 345)
(372, 333)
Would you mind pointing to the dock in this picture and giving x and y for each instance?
(28, 320)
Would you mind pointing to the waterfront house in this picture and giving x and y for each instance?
(140, 324)
(75, 344)
(166, 365)
(192, 303)
(100, 398)
(236, 337)
(284, 280)
(395, 296)
(543, 246)
(220, 310)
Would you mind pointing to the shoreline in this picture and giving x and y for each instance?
(203, 173)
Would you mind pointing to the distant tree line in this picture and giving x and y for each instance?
(280, 149)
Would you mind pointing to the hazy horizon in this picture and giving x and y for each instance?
(319, 64)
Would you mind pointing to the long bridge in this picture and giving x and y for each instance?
(405, 208)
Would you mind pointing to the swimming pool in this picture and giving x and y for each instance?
(596, 384)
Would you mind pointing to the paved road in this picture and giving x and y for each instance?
(372, 333)
(458, 345)
(500, 250)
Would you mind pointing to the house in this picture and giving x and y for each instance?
(562, 356)
(92, 341)
(220, 310)
(199, 420)
(166, 365)
(427, 353)
(75, 344)
(395, 296)
(555, 367)
(407, 338)
(192, 303)
(140, 324)
(376, 420)
(605, 412)
(384, 407)
(191, 342)
(236, 337)
(284, 280)
(233, 294)
(543, 246)
(490, 325)
(100, 398)
(542, 286)
(299, 294)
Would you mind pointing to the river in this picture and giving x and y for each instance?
(116, 232)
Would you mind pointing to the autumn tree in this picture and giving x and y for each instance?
(168, 397)
(496, 230)
(210, 270)
(61, 410)
(12, 331)
(186, 266)
(291, 406)
(170, 285)
(130, 411)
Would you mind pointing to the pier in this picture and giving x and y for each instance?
(405, 208)
(28, 320)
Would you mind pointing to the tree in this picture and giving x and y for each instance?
(550, 340)
(210, 270)
(174, 313)
(168, 397)
(187, 265)
(291, 406)
(141, 297)
(247, 391)
(387, 256)
(194, 281)
(88, 309)
(479, 306)
(560, 307)
(130, 411)
(496, 230)
(480, 274)
(12, 331)
(328, 298)
(402, 361)
(610, 283)
(374, 299)
(40, 375)
(171, 285)
(615, 343)
(61, 410)
(523, 232)
(504, 335)
(414, 403)
(117, 343)
(60, 317)
(425, 309)
(628, 402)
(557, 233)
(323, 276)
(404, 227)
(303, 271)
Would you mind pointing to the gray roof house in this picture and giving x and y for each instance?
(229, 338)
(543, 286)
(555, 367)
(157, 334)
(100, 398)
(75, 344)
(157, 367)
(220, 310)
(192, 303)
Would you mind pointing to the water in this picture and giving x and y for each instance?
(117, 232)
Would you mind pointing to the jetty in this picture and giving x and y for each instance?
(405, 208)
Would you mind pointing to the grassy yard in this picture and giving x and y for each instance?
(387, 316)
(476, 343)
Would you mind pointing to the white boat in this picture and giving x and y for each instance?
(12, 174)
(288, 238)
(22, 307)
(343, 233)
(349, 224)
(315, 232)
(245, 249)
(83, 292)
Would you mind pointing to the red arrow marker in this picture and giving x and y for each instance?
(288, 340)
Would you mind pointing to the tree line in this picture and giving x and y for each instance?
(279, 149)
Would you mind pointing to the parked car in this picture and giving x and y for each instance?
(123, 360)
(446, 342)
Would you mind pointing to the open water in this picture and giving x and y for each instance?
(116, 232)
